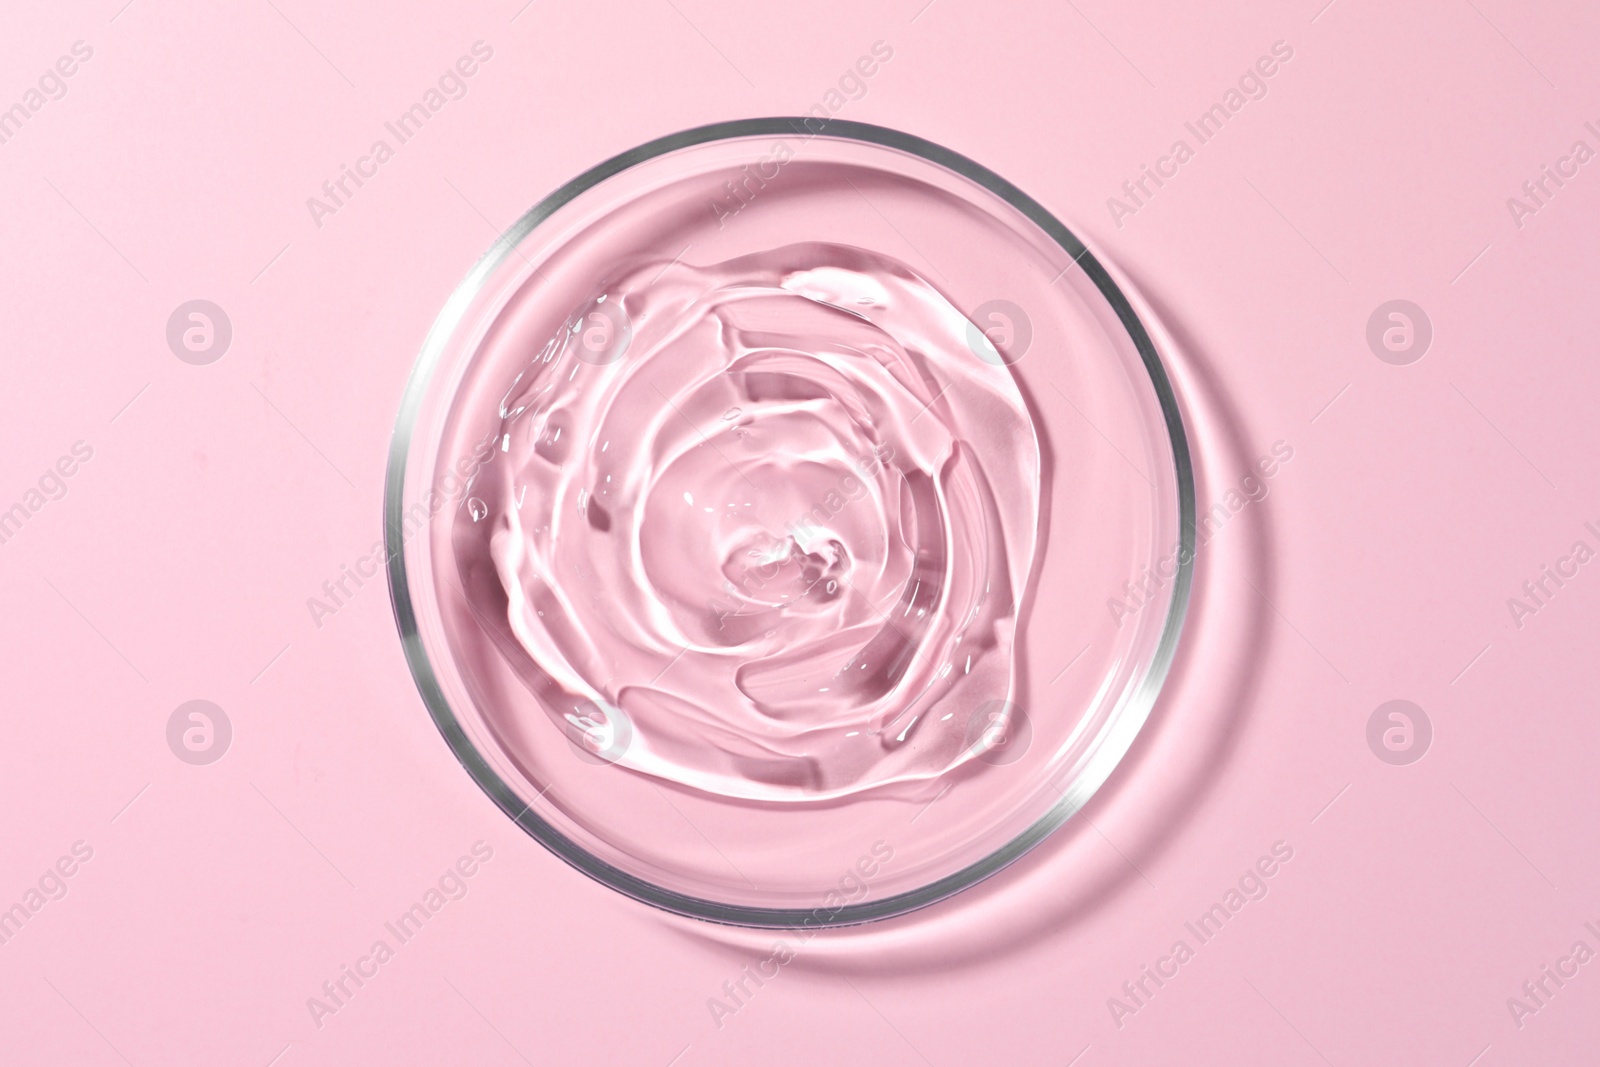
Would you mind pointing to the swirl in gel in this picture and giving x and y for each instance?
(777, 511)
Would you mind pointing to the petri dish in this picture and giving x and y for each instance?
(790, 523)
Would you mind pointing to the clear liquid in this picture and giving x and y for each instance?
(760, 528)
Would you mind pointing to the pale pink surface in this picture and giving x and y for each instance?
(179, 562)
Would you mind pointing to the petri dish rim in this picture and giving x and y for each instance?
(1122, 727)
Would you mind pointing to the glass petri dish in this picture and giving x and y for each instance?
(790, 523)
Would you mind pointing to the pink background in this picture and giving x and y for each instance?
(219, 498)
